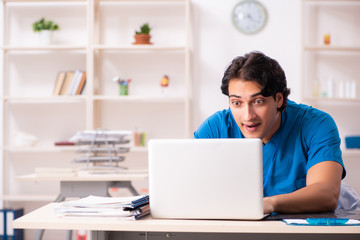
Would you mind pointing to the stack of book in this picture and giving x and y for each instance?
(124, 208)
(69, 83)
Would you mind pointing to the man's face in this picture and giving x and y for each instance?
(256, 115)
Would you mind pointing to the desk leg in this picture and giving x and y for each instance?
(40, 233)
(60, 198)
(69, 234)
(99, 235)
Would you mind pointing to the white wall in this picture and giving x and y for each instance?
(216, 42)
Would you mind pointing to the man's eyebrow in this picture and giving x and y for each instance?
(236, 96)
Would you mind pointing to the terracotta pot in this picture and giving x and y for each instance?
(142, 39)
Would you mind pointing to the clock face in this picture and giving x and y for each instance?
(249, 16)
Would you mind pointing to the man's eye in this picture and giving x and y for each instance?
(259, 101)
(236, 103)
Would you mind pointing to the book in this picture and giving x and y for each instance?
(59, 83)
(64, 143)
(67, 82)
(75, 82)
(2, 224)
(81, 85)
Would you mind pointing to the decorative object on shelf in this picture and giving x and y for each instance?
(164, 83)
(327, 39)
(316, 89)
(352, 141)
(139, 139)
(335, 88)
(249, 16)
(45, 29)
(123, 85)
(143, 36)
(23, 139)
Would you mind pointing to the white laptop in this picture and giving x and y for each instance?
(206, 178)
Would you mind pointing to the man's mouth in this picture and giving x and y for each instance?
(251, 127)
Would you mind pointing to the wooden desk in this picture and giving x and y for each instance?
(148, 228)
(83, 185)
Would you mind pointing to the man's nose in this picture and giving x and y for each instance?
(249, 113)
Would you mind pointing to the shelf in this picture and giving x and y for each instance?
(55, 99)
(139, 149)
(43, 48)
(31, 198)
(151, 47)
(45, 149)
(331, 1)
(332, 48)
(141, 47)
(141, 99)
(144, 1)
(351, 152)
(331, 100)
(57, 149)
(42, 2)
(95, 37)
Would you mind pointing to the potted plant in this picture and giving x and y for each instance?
(45, 29)
(143, 36)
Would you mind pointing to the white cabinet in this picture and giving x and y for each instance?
(331, 70)
(96, 37)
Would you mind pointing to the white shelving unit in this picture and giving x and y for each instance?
(331, 71)
(95, 36)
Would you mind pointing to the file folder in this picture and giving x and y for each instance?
(2, 224)
(10, 232)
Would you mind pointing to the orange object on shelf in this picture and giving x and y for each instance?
(327, 39)
(164, 81)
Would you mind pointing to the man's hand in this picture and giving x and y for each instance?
(268, 205)
(320, 194)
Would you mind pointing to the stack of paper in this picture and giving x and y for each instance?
(94, 206)
(83, 137)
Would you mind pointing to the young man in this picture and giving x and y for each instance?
(302, 163)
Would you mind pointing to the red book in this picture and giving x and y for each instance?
(64, 143)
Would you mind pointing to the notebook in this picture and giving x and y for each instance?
(206, 178)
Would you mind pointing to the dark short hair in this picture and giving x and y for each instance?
(256, 66)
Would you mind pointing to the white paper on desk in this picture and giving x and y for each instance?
(104, 202)
(91, 212)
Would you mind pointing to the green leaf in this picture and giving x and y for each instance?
(144, 29)
(43, 24)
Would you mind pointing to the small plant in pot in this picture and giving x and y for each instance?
(45, 29)
(143, 36)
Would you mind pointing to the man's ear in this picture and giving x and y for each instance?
(279, 99)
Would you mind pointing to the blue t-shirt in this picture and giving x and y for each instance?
(306, 137)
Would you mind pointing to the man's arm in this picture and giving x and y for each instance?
(320, 194)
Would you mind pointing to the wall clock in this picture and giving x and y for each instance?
(249, 16)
